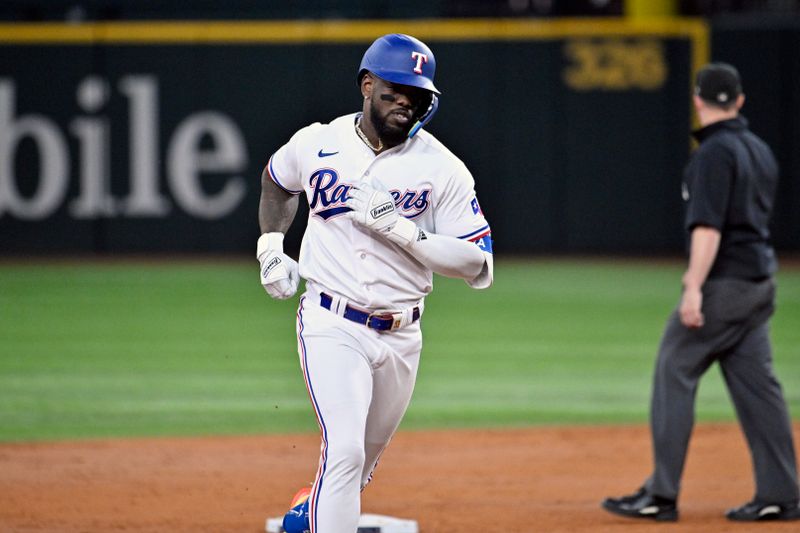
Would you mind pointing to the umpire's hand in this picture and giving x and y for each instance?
(691, 308)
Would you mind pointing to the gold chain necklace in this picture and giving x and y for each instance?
(366, 139)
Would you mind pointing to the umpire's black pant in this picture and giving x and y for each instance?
(736, 333)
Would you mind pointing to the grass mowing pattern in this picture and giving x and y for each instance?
(129, 349)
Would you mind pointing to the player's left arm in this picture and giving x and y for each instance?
(443, 254)
(470, 260)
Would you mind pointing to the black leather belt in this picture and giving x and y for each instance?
(383, 320)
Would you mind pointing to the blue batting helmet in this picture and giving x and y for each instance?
(401, 59)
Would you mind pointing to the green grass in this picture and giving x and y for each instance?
(129, 349)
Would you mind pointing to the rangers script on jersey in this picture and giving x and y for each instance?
(430, 186)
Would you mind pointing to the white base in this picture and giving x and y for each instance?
(368, 523)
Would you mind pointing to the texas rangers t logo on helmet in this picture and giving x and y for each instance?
(420, 58)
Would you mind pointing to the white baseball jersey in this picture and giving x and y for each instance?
(430, 186)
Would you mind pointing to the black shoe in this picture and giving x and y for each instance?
(754, 511)
(643, 505)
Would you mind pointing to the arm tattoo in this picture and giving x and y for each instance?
(277, 208)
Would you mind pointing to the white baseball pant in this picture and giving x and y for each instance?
(360, 383)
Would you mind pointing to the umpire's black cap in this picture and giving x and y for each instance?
(718, 83)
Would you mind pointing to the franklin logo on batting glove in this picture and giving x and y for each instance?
(371, 208)
(272, 264)
(279, 272)
(382, 210)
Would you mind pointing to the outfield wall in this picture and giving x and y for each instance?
(150, 137)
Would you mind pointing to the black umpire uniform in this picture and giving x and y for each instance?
(729, 185)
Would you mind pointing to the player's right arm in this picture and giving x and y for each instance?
(276, 210)
(277, 207)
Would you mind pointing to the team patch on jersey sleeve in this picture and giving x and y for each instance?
(482, 237)
(476, 207)
(484, 243)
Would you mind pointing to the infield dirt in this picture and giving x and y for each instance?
(471, 481)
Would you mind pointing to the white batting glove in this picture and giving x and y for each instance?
(279, 272)
(371, 208)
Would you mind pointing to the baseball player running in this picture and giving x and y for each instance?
(389, 205)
